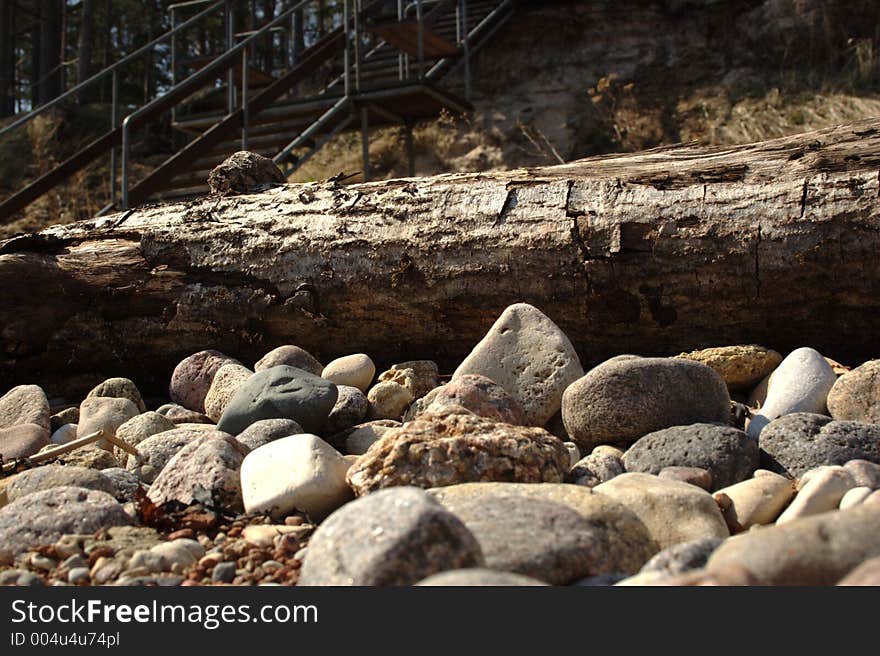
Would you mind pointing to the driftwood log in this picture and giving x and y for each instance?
(776, 243)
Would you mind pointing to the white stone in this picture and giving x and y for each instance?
(299, 472)
(574, 453)
(755, 501)
(672, 511)
(263, 535)
(104, 413)
(64, 434)
(363, 437)
(854, 497)
(799, 384)
(356, 370)
(821, 493)
(182, 551)
(388, 400)
(530, 357)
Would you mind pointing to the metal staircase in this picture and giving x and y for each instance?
(382, 63)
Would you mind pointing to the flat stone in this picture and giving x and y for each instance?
(683, 557)
(121, 388)
(482, 397)
(205, 471)
(180, 415)
(741, 367)
(43, 517)
(439, 450)
(728, 454)
(22, 440)
(280, 393)
(868, 573)
(478, 577)
(350, 409)
(855, 395)
(533, 537)
(624, 542)
(244, 172)
(817, 550)
(672, 511)
(822, 493)
(691, 475)
(267, 430)
(387, 400)
(300, 472)
(226, 382)
(292, 356)
(729, 576)
(25, 404)
(529, 356)
(854, 497)
(126, 484)
(759, 500)
(65, 433)
(392, 537)
(355, 370)
(104, 413)
(799, 384)
(90, 456)
(427, 375)
(137, 429)
(50, 476)
(626, 398)
(358, 439)
(798, 442)
(158, 449)
(223, 572)
(193, 376)
(864, 473)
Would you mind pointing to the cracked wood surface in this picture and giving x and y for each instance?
(650, 253)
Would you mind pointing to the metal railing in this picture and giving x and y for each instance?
(358, 47)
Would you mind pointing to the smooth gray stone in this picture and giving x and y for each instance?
(280, 392)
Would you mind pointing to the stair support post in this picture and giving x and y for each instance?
(357, 44)
(173, 59)
(347, 35)
(465, 47)
(402, 61)
(244, 99)
(126, 135)
(365, 141)
(114, 120)
(421, 39)
(230, 42)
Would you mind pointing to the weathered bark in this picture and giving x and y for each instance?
(651, 253)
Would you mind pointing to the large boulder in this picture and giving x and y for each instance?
(43, 517)
(392, 537)
(300, 472)
(817, 550)
(623, 541)
(628, 397)
(439, 450)
(798, 442)
(206, 471)
(728, 454)
(529, 356)
(280, 392)
(25, 404)
(672, 511)
(855, 396)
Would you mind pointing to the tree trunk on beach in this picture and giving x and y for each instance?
(652, 253)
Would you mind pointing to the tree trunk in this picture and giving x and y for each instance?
(7, 59)
(653, 253)
(50, 50)
(84, 48)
